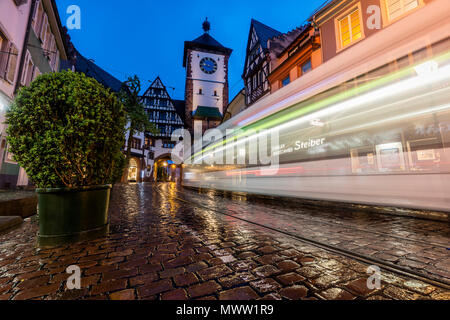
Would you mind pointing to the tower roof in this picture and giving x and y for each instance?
(205, 42)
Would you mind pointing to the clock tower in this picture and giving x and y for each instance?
(206, 95)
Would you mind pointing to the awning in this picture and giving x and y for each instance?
(207, 113)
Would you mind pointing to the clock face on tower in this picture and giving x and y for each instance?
(208, 65)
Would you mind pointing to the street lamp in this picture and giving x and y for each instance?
(2, 104)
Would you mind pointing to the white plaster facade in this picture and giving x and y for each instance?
(211, 85)
(13, 25)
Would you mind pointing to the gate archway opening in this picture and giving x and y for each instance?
(133, 171)
(166, 171)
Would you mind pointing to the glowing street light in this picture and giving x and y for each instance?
(2, 105)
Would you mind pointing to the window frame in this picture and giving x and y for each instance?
(282, 85)
(38, 18)
(300, 67)
(4, 56)
(385, 14)
(43, 31)
(337, 26)
(12, 63)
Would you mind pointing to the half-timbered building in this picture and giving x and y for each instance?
(257, 62)
(167, 115)
(264, 47)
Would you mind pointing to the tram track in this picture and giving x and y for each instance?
(334, 223)
(384, 265)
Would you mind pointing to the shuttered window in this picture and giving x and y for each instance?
(350, 28)
(38, 18)
(25, 69)
(396, 8)
(4, 52)
(8, 59)
(44, 27)
(36, 73)
(28, 73)
(12, 63)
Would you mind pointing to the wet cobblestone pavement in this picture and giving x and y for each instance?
(161, 246)
(413, 244)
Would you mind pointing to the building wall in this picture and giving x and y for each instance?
(290, 65)
(44, 36)
(140, 155)
(236, 106)
(13, 24)
(329, 29)
(208, 82)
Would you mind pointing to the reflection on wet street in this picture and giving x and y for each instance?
(167, 242)
(414, 244)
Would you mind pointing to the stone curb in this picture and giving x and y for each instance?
(25, 207)
(9, 222)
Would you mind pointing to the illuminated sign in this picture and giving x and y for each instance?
(311, 143)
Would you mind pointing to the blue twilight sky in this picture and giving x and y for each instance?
(146, 37)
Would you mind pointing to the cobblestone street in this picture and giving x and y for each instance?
(170, 243)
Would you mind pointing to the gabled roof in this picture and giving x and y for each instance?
(264, 32)
(157, 83)
(179, 105)
(90, 69)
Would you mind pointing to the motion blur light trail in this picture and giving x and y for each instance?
(375, 89)
(375, 139)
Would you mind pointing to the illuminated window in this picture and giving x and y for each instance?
(285, 81)
(396, 8)
(350, 28)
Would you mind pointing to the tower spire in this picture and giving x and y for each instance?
(206, 25)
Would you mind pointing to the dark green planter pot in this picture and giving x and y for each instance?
(72, 215)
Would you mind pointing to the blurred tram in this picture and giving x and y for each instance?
(378, 136)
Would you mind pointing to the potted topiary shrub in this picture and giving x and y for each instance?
(67, 130)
